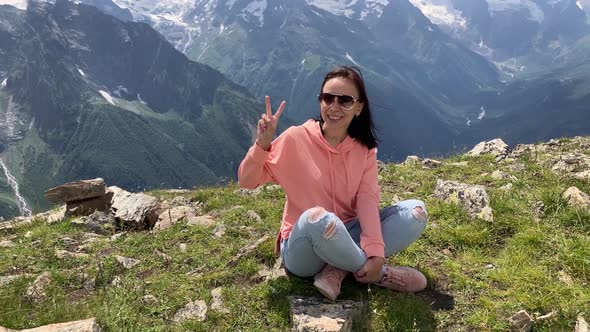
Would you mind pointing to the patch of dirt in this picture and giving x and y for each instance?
(145, 274)
(78, 295)
(106, 252)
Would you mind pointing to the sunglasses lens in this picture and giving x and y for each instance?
(327, 98)
(346, 101)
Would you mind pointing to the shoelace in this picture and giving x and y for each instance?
(388, 278)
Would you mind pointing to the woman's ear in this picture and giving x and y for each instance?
(359, 110)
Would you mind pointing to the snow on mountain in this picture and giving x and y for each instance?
(441, 12)
(20, 4)
(349, 8)
(255, 8)
(584, 5)
(535, 13)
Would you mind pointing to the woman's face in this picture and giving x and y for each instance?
(338, 112)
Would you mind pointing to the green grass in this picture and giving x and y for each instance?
(479, 273)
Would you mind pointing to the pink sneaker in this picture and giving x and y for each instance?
(328, 281)
(403, 279)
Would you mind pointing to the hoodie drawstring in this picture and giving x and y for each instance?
(332, 183)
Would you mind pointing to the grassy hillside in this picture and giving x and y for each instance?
(480, 273)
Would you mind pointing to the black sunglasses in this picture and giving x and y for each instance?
(346, 102)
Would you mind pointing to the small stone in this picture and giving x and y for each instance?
(584, 176)
(116, 281)
(127, 262)
(87, 282)
(581, 325)
(6, 244)
(431, 163)
(117, 236)
(577, 198)
(36, 293)
(193, 310)
(248, 192)
(395, 199)
(28, 234)
(217, 301)
(219, 231)
(277, 271)
(166, 257)
(149, 299)
(522, 321)
(68, 241)
(507, 187)
(4, 280)
(412, 160)
(447, 252)
(565, 278)
(182, 247)
(205, 220)
(253, 215)
(539, 209)
(63, 254)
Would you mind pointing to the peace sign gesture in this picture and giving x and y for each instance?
(267, 125)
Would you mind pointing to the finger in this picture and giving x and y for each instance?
(280, 110)
(268, 110)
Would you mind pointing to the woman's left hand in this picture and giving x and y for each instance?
(371, 271)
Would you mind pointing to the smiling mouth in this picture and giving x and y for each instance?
(335, 117)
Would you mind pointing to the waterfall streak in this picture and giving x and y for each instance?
(20, 201)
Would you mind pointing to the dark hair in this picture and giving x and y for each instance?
(361, 127)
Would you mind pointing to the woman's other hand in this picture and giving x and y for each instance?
(267, 125)
(371, 271)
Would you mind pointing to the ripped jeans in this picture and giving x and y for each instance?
(320, 237)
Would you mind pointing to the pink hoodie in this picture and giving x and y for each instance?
(313, 173)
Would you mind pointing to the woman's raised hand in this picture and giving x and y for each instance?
(267, 125)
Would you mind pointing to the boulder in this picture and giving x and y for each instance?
(473, 198)
(98, 222)
(495, 147)
(76, 191)
(135, 211)
(88, 206)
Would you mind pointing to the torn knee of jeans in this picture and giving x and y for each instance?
(315, 214)
(330, 230)
(420, 214)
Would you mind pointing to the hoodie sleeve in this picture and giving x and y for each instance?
(367, 198)
(259, 166)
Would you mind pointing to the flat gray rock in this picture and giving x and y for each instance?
(312, 314)
(76, 191)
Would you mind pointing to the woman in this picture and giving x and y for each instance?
(328, 169)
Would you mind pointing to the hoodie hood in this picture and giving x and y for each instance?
(314, 131)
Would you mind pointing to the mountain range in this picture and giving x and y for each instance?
(86, 95)
(109, 92)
